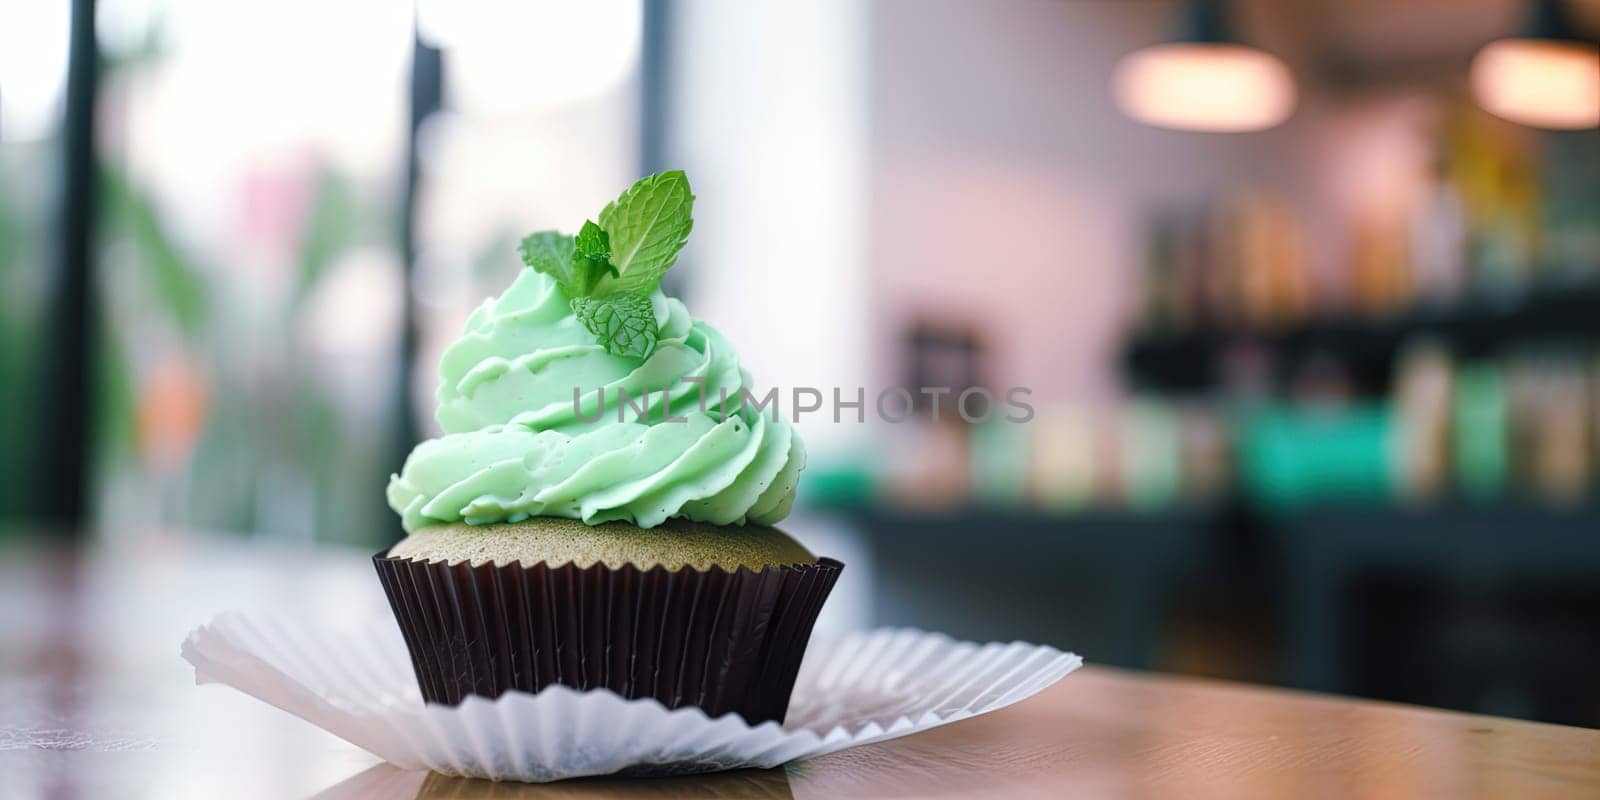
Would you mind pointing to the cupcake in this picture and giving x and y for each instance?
(599, 510)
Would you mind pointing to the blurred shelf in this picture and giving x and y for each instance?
(1471, 541)
(1097, 581)
(1196, 360)
(1450, 537)
(1028, 525)
(1504, 549)
(1445, 516)
(1120, 585)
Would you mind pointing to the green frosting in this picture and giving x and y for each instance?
(516, 447)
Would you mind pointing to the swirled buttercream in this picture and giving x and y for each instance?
(529, 404)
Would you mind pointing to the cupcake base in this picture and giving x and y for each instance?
(719, 640)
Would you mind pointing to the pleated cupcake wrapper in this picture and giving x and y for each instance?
(359, 685)
(716, 639)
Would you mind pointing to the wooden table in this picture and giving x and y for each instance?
(95, 702)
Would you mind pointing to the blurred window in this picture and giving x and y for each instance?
(33, 69)
(248, 263)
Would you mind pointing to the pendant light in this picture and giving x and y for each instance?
(1546, 78)
(1205, 81)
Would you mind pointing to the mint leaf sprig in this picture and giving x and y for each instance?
(610, 268)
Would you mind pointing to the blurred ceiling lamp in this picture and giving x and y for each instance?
(1547, 78)
(1204, 81)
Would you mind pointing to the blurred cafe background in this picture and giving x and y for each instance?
(1306, 296)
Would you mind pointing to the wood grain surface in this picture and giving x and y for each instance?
(94, 702)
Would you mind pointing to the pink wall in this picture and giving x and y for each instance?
(1007, 191)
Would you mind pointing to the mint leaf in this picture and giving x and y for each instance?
(610, 268)
(624, 323)
(646, 226)
(592, 243)
(551, 253)
(577, 263)
(591, 259)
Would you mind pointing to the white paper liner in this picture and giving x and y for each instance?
(359, 685)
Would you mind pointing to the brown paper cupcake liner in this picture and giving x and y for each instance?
(723, 641)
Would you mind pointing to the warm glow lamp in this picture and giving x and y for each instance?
(1547, 78)
(1204, 81)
